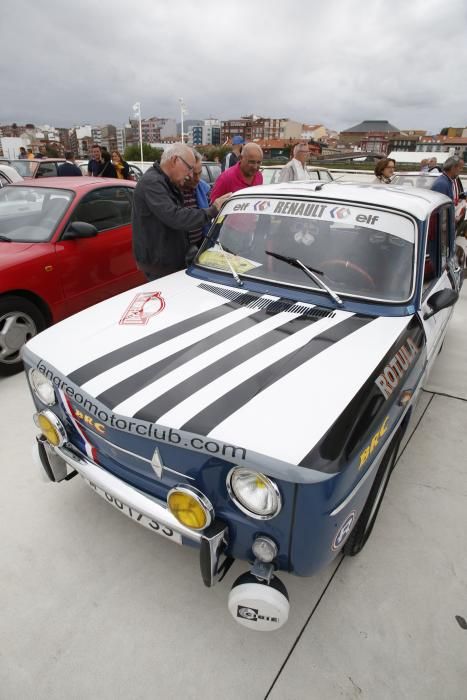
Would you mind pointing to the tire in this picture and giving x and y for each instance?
(20, 320)
(362, 530)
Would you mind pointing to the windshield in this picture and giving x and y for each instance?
(26, 168)
(356, 250)
(424, 181)
(31, 214)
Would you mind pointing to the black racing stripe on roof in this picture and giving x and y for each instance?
(182, 391)
(206, 420)
(129, 386)
(101, 364)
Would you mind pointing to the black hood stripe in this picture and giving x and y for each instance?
(206, 420)
(111, 359)
(136, 382)
(174, 396)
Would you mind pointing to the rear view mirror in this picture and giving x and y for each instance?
(80, 229)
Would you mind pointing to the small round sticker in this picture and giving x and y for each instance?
(344, 531)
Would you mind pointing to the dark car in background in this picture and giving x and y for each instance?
(211, 172)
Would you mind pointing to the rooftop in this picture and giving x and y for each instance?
(372, 125)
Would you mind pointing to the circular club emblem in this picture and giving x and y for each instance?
(344, 531)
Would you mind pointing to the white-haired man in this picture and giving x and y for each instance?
(160, 220)
(295, 168)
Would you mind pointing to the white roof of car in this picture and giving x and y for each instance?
(415, 200)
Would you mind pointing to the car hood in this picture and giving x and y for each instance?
(14, 252)
(220, 362)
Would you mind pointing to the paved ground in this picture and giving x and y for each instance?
(93, 606)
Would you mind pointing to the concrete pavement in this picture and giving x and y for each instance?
(93, 606)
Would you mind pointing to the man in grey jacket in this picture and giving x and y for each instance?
(160, 220)
(296, 168)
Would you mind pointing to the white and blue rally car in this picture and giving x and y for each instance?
(253, 405)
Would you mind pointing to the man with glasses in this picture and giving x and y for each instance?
(296, 168)
(160, 220)
(244, 174)
(196, 196)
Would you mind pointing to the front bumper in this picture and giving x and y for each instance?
(212, 541)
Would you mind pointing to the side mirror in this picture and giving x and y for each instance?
(441, 300)
(80, 229)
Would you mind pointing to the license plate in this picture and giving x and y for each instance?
(143, 520)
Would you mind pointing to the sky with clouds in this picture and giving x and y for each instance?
(336, 62)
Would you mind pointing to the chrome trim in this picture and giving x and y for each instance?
(117, 488)
(144, 459)
(240, 505)
(31, 373)
(57, 424)
(200, 498)
(213, 544)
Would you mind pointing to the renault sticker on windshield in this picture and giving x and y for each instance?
(341, 216)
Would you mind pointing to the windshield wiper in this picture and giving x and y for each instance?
(226, 258)
(309, 272)
(5, 238)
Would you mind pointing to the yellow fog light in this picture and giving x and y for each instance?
(190, 507)
(51, 427)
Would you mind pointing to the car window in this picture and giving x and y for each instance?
(47, 170)
(26, 168)
(105, 208)
(437, 245)
(205, 174)
(215, 171)
(270, 175)
(362, 251)
(3, 180)
(314, 174)
(324, 175)
(31, 213)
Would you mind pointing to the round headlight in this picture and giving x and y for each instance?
(190, 507)
(51, 427)
(253, 493)
(42, 387)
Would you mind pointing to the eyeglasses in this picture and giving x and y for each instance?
(254, 162)
(189, 167)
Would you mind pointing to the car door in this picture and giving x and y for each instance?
(93, 269)
(441, 272)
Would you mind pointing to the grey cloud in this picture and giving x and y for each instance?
(336, 62)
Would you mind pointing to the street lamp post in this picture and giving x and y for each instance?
(137, 113)
(183, 111)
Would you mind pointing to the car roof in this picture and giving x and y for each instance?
(279, 166)
(34, 160)
(11, 172)
(415, 200)
(76, 183)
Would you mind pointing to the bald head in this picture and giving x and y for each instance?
(251, 159)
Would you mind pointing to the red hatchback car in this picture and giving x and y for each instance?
(65, 244)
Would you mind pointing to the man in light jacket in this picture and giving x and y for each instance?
(296, 168)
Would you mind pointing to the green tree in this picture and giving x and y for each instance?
(133, 152)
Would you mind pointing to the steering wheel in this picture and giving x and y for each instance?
(350, 266)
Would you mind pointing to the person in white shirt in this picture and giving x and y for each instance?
(295, 168)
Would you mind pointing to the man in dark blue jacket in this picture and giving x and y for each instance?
(69, 167)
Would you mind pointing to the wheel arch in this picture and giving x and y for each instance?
(34, 299)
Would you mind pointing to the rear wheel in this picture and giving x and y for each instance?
(367, 519)
(20, 320)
